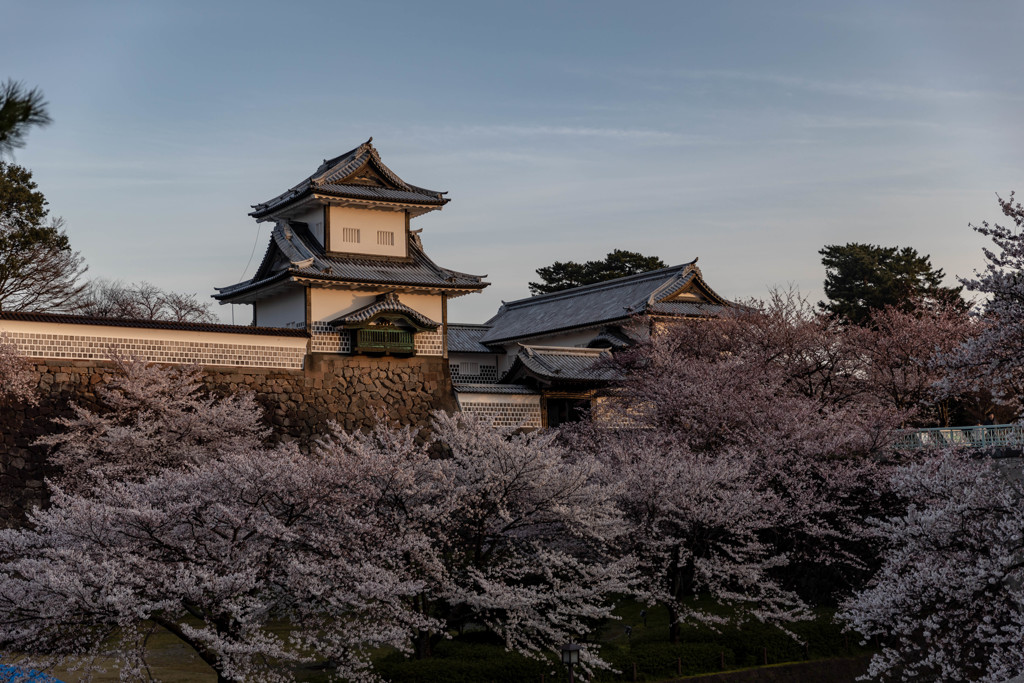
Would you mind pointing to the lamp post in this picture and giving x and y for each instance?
(571, 657)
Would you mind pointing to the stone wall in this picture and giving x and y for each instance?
(297, 404)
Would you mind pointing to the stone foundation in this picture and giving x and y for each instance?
(298, 404)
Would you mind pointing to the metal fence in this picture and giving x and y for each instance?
(988, 436)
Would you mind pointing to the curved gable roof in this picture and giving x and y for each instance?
(385, 303)
(658, 292)
(557, 364)
(357, 174)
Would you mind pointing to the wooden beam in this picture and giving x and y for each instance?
(327, 227)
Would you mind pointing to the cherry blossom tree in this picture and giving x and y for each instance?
(17, 382)
(906, 352)
(153, 418)
(746, 459)
(994, 358)
(519, 536)
(948, 603)
(214, 554)
(189, 524)
(697, 527)
(171, 513)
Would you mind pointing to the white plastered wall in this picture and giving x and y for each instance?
(327, 304)
(369, 222)
(314, 218)
(285, 309)
(156, 345)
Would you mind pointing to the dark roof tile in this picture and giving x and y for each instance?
(329, 179)
(601, 303)
(467, 388)
(562, 364)
(464, 338)
(294, 252)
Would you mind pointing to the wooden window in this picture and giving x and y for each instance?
(350, 235)
(384, 340)
(385, 238)
(469, 368)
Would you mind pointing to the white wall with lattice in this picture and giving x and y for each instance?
(98, 342)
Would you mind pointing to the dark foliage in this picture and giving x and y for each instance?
(20, 109)
(38, 269)
(619, 263)
(862, 278)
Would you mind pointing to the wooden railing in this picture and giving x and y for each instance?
(1009, 436)
(388, 340)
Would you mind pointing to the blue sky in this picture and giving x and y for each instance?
(749, 134)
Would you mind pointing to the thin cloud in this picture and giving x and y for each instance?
(626, 134)
(862, 89)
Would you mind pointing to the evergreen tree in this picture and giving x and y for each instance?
(20, 109)
(619, 263)
(38, 269)
(863, 278)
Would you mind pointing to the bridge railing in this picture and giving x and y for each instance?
(981, 436)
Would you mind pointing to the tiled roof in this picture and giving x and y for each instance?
(494, 389)
(380, 194)
(465, 338)
(150, 324)
(385, 303)
(561, 364)
(602, 303)
(334, 178)
(613, 337)
(294, 252)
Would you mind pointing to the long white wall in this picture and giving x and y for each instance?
(516, 411)
(157, 345)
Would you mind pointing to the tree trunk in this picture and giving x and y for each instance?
(204, 654)
(673, 624)
(424, 644)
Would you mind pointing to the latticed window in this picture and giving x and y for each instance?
(350, 235)
(385, 238)
(384, 340)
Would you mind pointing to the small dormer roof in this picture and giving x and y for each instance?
(560, 365)
(385, 304)
(358, 175)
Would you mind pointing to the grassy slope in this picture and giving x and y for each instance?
(473, 659)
